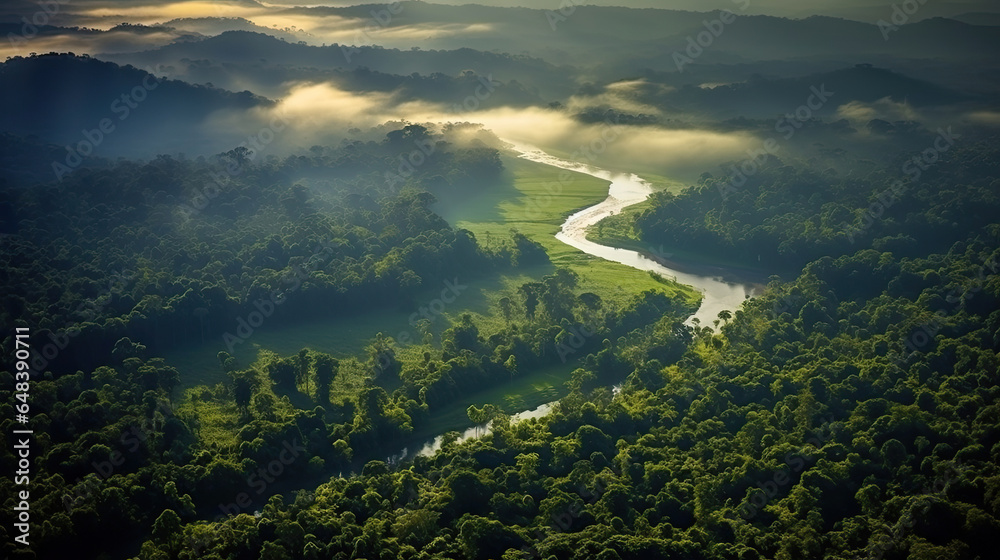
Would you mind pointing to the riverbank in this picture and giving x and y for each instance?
(721, 289)
(618, 231)
(535, 201)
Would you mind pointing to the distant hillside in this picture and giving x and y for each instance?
(7, 29)
(264, 51)
(763, 38)
(588, 35)
(120, 38)
(768, 97)
(216, 25)
(626, 23)
(592, 35)
(978, 18)
(59, 96)
(273, 80)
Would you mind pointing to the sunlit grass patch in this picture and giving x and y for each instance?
(213, 416)
(547, 196)
(350, 379)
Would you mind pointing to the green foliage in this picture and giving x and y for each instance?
(172, 251)
(850, 411)
(846, 412)
(784, 217)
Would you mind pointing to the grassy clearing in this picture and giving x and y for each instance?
(215, 417)
(619, 230)
(540, 206)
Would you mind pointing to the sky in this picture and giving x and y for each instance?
(70, 11)
(862, 9)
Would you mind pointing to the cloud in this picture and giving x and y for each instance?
(314, 113)
(117, 41)
(106, 14)
(365, 31)
(684, 153)
(154, 12)
(677, 153)
(859, 112)
(988, 118)
(625, 96)
(322, 113)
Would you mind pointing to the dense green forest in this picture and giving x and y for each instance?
(172, 250)
(847, 412)
(118, 264)
(785, 216)
(429, 279)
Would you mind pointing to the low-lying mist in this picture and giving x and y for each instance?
(323, 114)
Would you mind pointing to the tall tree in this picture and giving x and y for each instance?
(326, 371)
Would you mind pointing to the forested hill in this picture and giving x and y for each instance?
(761, 97)
(590, 35)
(786, 216)
(148, 244)
(73, 100)
(852, 411)
(263, 51)
(114, 266)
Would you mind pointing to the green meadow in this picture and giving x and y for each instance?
(535, 201)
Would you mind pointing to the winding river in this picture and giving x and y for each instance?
(721, 288)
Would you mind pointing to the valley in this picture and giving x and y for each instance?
(435, 280)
